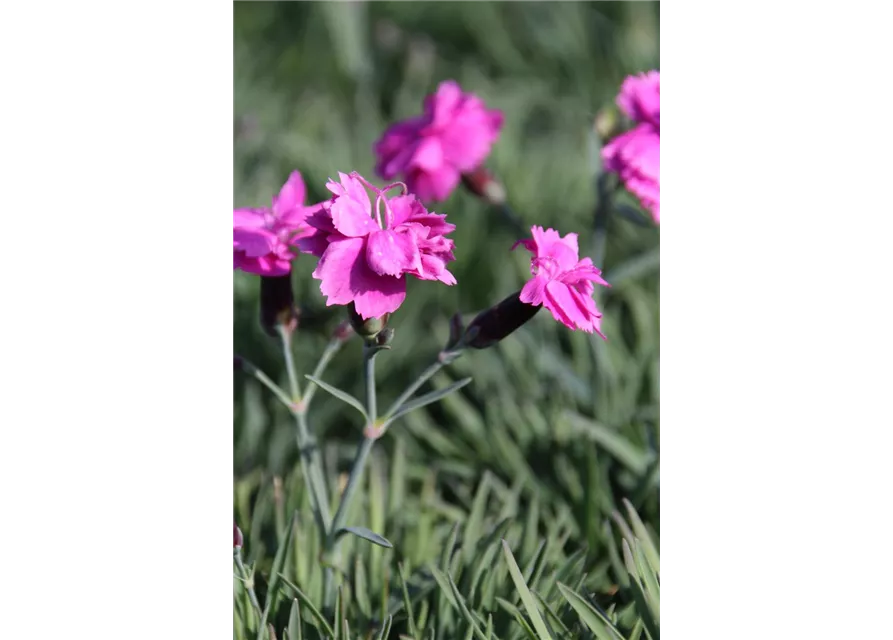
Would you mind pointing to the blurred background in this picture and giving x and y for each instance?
(553, 418)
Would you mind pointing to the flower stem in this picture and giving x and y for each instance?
(356, 471)
(311, 461)
(249, 583)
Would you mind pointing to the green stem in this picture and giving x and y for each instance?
(356, 471)
(311, 461)
(249, 583)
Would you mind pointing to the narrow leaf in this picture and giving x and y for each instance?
(295, 630)
(428, 398)
(526, 597)
(273, 589)
(341, 395)
(385, 629)
(598, 624)
(365, 534)
(323, 623)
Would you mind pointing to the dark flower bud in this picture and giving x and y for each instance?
(494, 324)
(457, 329)
(237, 536)
(370, 328)
(485, 186)
(238, 363)
(277, 304)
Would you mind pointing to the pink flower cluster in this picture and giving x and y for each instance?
(562, 282)
(453, 136)
(635, 155)
(368, 246)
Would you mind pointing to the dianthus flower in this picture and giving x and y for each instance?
(263, 237)
(635, 155)
(452, 137)
(366, 251)
(562, 282)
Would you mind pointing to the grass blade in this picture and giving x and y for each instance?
(595, 620)
(526, 597)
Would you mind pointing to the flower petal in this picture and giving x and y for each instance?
(391, 253)
(290, 196)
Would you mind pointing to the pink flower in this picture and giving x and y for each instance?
(432, 151)
(561, 281)
(364, 256)
(635, 155)
(262, 238)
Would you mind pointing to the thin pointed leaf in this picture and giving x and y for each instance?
(385, 629)
(295, 629)
(407, 603)
(365, 534)
(460, 601)
(644, 537)
(598, 624)
(341, 395)
(428, 398)
(273, 589)
(326, 627)
(526, 597)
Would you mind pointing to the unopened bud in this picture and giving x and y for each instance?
(237, 536)
(370, 328)
(456, 331)
(277, 304)
(343, 331)
(485, 186)
(494, 324)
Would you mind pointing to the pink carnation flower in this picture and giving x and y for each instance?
(561, 281)
(365, 255)
(432, 151)
(635, 155)
(262, 238)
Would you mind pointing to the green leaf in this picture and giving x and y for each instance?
(361, 589)
(295, 630)
(341, 395)
(385, 629)
(526, 597)
(323, 623)
(428, 398)
(644, 537)
(365, 534)
(598, 624)
(273, 588)
(407, 603)
(631, 456)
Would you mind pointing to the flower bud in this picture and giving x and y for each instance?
(237, 536)
(343, 331)
(457, 329)
(485, 186)
(277, 304)
(370, 328)
(494, 324)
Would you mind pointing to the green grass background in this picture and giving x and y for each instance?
(557, 427)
